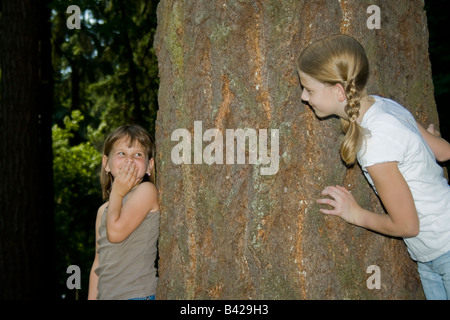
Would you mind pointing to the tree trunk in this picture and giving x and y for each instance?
(26, 194)
(227, 230)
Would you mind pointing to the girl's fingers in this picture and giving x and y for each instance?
(333, 192)
(128, 172)
(132, 174)
(337, 194)
(330, 202)
(344, 190)
(327, 211)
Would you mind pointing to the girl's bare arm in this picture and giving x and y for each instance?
(402, 219)
(439, 146)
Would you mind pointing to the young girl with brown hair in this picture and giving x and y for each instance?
(127, 225)
(397, 156)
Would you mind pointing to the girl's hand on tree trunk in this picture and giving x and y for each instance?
(343, 203)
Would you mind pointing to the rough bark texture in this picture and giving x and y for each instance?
(228, 232)
(26, 189)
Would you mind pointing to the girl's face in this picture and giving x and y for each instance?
(122, 153)
(325, 100)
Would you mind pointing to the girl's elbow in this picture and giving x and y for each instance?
(443, 157)
(411, 233)
(115, 237)
(411, 230)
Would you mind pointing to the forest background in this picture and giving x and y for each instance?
(105, 74)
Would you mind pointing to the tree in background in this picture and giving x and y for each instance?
(107, 69)
(27, 262)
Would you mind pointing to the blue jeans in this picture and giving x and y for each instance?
(435, 277)
(152, 297)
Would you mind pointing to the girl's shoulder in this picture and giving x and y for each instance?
(145, 192)
(146, 186)
(387, 109)
(102, 208)
(388, 117)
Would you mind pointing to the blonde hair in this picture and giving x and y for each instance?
(134, 133)
(340, 59)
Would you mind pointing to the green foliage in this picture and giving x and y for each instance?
(78, 163)
(105, 75)
(108, 68)
(77, 198)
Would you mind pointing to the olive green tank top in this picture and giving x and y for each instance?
(126, 270)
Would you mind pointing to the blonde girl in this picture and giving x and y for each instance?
(397, 156)
(127, 225)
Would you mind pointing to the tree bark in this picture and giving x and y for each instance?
(26, 194)
(229, 232)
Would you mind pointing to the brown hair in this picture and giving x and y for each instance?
(134, 133)
(340, 59)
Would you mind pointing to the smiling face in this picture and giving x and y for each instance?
(324, 99)
(122, 152)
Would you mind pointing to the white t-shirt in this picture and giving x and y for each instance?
(392, 135)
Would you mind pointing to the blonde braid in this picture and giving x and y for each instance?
(353, 131)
